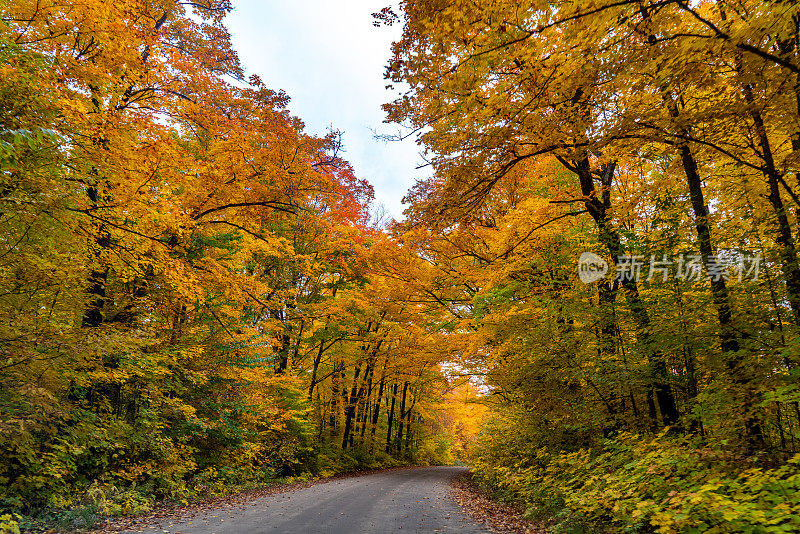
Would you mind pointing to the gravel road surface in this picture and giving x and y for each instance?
(406, 500)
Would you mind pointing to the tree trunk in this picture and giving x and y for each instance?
(377, 410)
(719, 291)
(350, 408)
(391, 420)
(399, 438)
(598, 207)
(788, 251)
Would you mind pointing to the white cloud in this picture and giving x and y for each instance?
(330, 60)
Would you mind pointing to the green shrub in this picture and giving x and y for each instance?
(9, 524)
(660, 484)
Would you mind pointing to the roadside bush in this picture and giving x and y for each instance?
(9, 524)
(660, 484)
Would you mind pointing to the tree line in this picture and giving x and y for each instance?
(193, 293)
(654, 134)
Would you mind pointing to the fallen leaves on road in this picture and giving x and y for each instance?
(175, 513)
(499, 517)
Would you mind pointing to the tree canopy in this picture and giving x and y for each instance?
(593, 298)
(661, 137)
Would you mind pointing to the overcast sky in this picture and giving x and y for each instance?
(330, 60)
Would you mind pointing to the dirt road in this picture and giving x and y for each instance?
(406, 500)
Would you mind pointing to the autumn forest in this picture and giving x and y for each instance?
(592, 300)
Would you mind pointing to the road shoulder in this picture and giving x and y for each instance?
(177, 512)
(496, 516)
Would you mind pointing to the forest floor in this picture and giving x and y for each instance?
(496, 516)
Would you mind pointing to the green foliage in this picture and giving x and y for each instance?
(174, 262)
(639, 484)
(9, 524)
